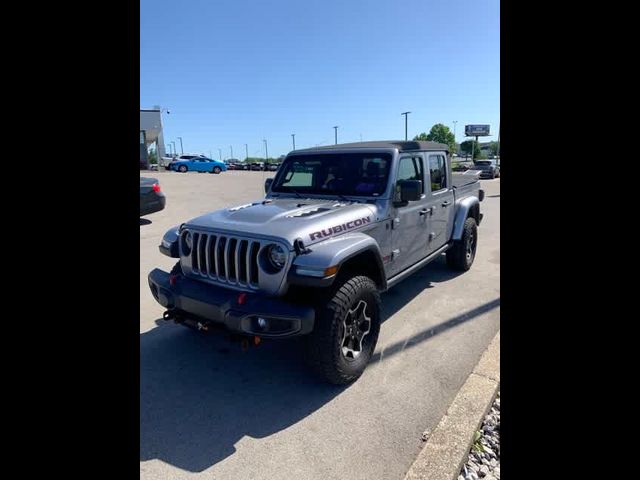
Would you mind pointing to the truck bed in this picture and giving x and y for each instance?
(466, 184)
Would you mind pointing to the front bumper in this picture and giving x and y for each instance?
(213, 304)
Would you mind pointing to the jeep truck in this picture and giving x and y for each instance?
(338, 226)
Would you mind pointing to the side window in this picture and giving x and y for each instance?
(438, 171)
(411, 168)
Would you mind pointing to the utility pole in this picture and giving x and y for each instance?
(181, 149)
(293, 136)
(175, 151)
(454, 129)
(266, 152)
(246, 147)
(406, 116)
(231, 147)
(220, 153)
(336, 132)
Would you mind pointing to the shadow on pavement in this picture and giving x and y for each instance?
(145, 221)
(200, 394)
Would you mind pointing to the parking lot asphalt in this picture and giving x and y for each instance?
(210, 410)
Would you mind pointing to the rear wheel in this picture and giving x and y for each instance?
(183, 168)
(217, 169)
(461, 255)
(346, 331)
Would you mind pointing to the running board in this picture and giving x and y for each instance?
(405, 273)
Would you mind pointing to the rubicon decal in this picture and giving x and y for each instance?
(340, 228)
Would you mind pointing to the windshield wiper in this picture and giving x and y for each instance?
(289, 189)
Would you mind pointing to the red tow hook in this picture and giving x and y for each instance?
(173, 279)
(242, 298)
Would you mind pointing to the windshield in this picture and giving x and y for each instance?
(481, 165)
(355, 174)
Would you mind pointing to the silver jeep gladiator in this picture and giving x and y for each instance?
(338, 225)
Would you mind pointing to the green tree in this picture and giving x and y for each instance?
(469, 145)
(153, 156)
(439, 133)
(493, 148)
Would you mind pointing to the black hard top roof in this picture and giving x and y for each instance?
(403, 146)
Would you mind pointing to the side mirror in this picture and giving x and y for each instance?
(410, 190)
(267, 184)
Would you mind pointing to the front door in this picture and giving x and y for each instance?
(440, 203)
(409, 237)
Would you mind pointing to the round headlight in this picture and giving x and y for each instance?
(277, 256)
(186, 243)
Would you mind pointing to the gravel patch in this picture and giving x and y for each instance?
(484, 456)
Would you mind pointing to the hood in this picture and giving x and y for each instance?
(311, 220)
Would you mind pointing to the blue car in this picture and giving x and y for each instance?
(199, 164)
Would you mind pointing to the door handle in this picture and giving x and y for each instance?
(446, 203)
(424, 211)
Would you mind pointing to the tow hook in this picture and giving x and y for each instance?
(244, 342)
(172, 315)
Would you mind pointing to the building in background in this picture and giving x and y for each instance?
(150, 133)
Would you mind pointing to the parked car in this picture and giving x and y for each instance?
(257, 166)
(338, 226)
(199, 164)
(151, 197)
(487, 168)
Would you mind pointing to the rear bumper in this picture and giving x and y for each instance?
(157, 204)
(212, 304)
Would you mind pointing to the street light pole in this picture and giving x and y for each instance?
(406, 116)
(175, 151)
(266, 152)
(293, 136)
(336, 133)
(454, 130)
(220, 153)
(246, 147)
(231, 147)
(181, 149)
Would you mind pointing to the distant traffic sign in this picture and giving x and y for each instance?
(476, 130)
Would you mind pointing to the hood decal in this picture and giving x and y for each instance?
(339, 228)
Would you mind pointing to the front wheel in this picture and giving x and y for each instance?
(217, 170)
(461, 255)
(346, 331)
(183, 168)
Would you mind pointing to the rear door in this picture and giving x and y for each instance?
(409, 234)
(440, 202)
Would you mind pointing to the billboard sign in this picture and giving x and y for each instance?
(476, 130)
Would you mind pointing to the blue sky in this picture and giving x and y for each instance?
(238, 71)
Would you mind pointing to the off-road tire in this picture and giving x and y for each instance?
(325, 344)
(458, 256)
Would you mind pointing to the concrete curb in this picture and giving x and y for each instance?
(448, 446)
